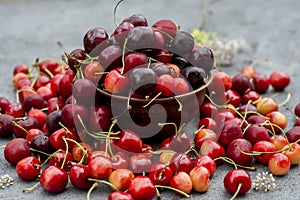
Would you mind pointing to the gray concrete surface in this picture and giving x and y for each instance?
(31, 28)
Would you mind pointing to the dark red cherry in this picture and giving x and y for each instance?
(111, 57)
(59, 158)
(16, 149)
(165, 85)
(233, 97)
(230, 132)
(120, 161)
(141, 37)
(203, 58)
(54, 104)
(84, 91)
(22, 126)
(56, 138)
(293, 134)
(233, 151)
(4, 103)
(79, 175)
(121, 32)
(182, 43)
(65, 86)
(52, 121)
(160, 69)
(194, 75)
(261, 83)
(241, 83)
(54, 179)
(136, 20)
(252, 96)
(166, 27)
(50, 66)
(256, 133)
(21, 68)
(34, 101)
(73, 114)
(40, 81)
(180, 142)
(134, 59)
(16, 110)
(75, 55)
(212, 149)
(6, 127)
(93, 38)
(142, 80)
(100, 118)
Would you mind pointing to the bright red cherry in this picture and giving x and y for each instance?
(234, 178)
(142, 188)
(130, 141)
(207, 162)
(115, 82)
(100, 167)
(160, 174)
(233, 151)
(28, 168)
(16, 149)
(120, 195)
(279, 80)
(79, 175)
(54, 179)
(59, 158)
(264, 146)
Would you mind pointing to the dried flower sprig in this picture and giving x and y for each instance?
(264, 181)
(6, 181)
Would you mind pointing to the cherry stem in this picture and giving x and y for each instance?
(174, 189)
(217, 105)
(90, 190)
(41, 152)
(67, 150)
(193, 150)
(254, 62)
(48, 73)
(230, 161)
(170, 123)
(123, 56)
(105, 182)
(286, 100)
(115, 12)
(158, 152)
(64, 127)
(237, 191)
(153, 99)
(179, 103)
(31, 188)
(107, 145)
(84, 151)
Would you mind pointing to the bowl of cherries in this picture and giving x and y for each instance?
(147, 75)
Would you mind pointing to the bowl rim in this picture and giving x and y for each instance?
(207, 79)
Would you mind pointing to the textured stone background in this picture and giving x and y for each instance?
(31, 29)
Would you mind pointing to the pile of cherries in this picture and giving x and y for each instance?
(60, 135)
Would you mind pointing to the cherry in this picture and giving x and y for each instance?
(159, 40)
(75, 55)
(32, 133)
(16, 110)
(111, 57)
(120, 161)
(181, 86)
(147, 149)
(208, 123)
(115, 82)
(200, 179)
(142, 188)
(296, 109)
(100, 118)
(230, 132)
(54, 179)
(34, 101)
(207, 109)
(266, 105)
(23, 83)
(78, 153)
(28, 168)
(54, 104)
(140, 163)
(181, 162)
(233, 97)
(194, 76)
(279, 80)
(165, 85)
(279, 164)
(121, 32)
(278, 121)
(119, 195)
(21, 68)
(202, 58)
(256, 133)
(6, 127)
(234, 179)
(18, 77)
(160, 69)
(252, 96)
(140, 37)
(279, 141)
(166, 27)
(22, 126)
(212, 149)
(52, 121)
(84, 91)
(207, 162)
(142, 80)
(241, 83)
(65, 86)
(223, 116)
(180, 142)
(121, 178)
(249, 71)
(256, 119)
(41, 143)
(234, 153)
(57, 138)
(225, 78)
(182, 181)
(45, 92)
(293, 134)
(130, 141)
(40, 81)
(59, 158)
(182, 43)
(39, 115)
(134, 59)
(70, 113)
(79, 177)
(93, 72)
(293, 153)
(16, 149)
(204, 134)
(180, 62)
(160, 174)
(93, 39)
(245, 109)
(4, 103)
(49, 67)
(100, 167)
(162, 55)
(261, 83)
(136, 20)
(263, 146)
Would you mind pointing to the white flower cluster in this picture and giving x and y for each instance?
(264, 181)
(224, 49)
(6, 181)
